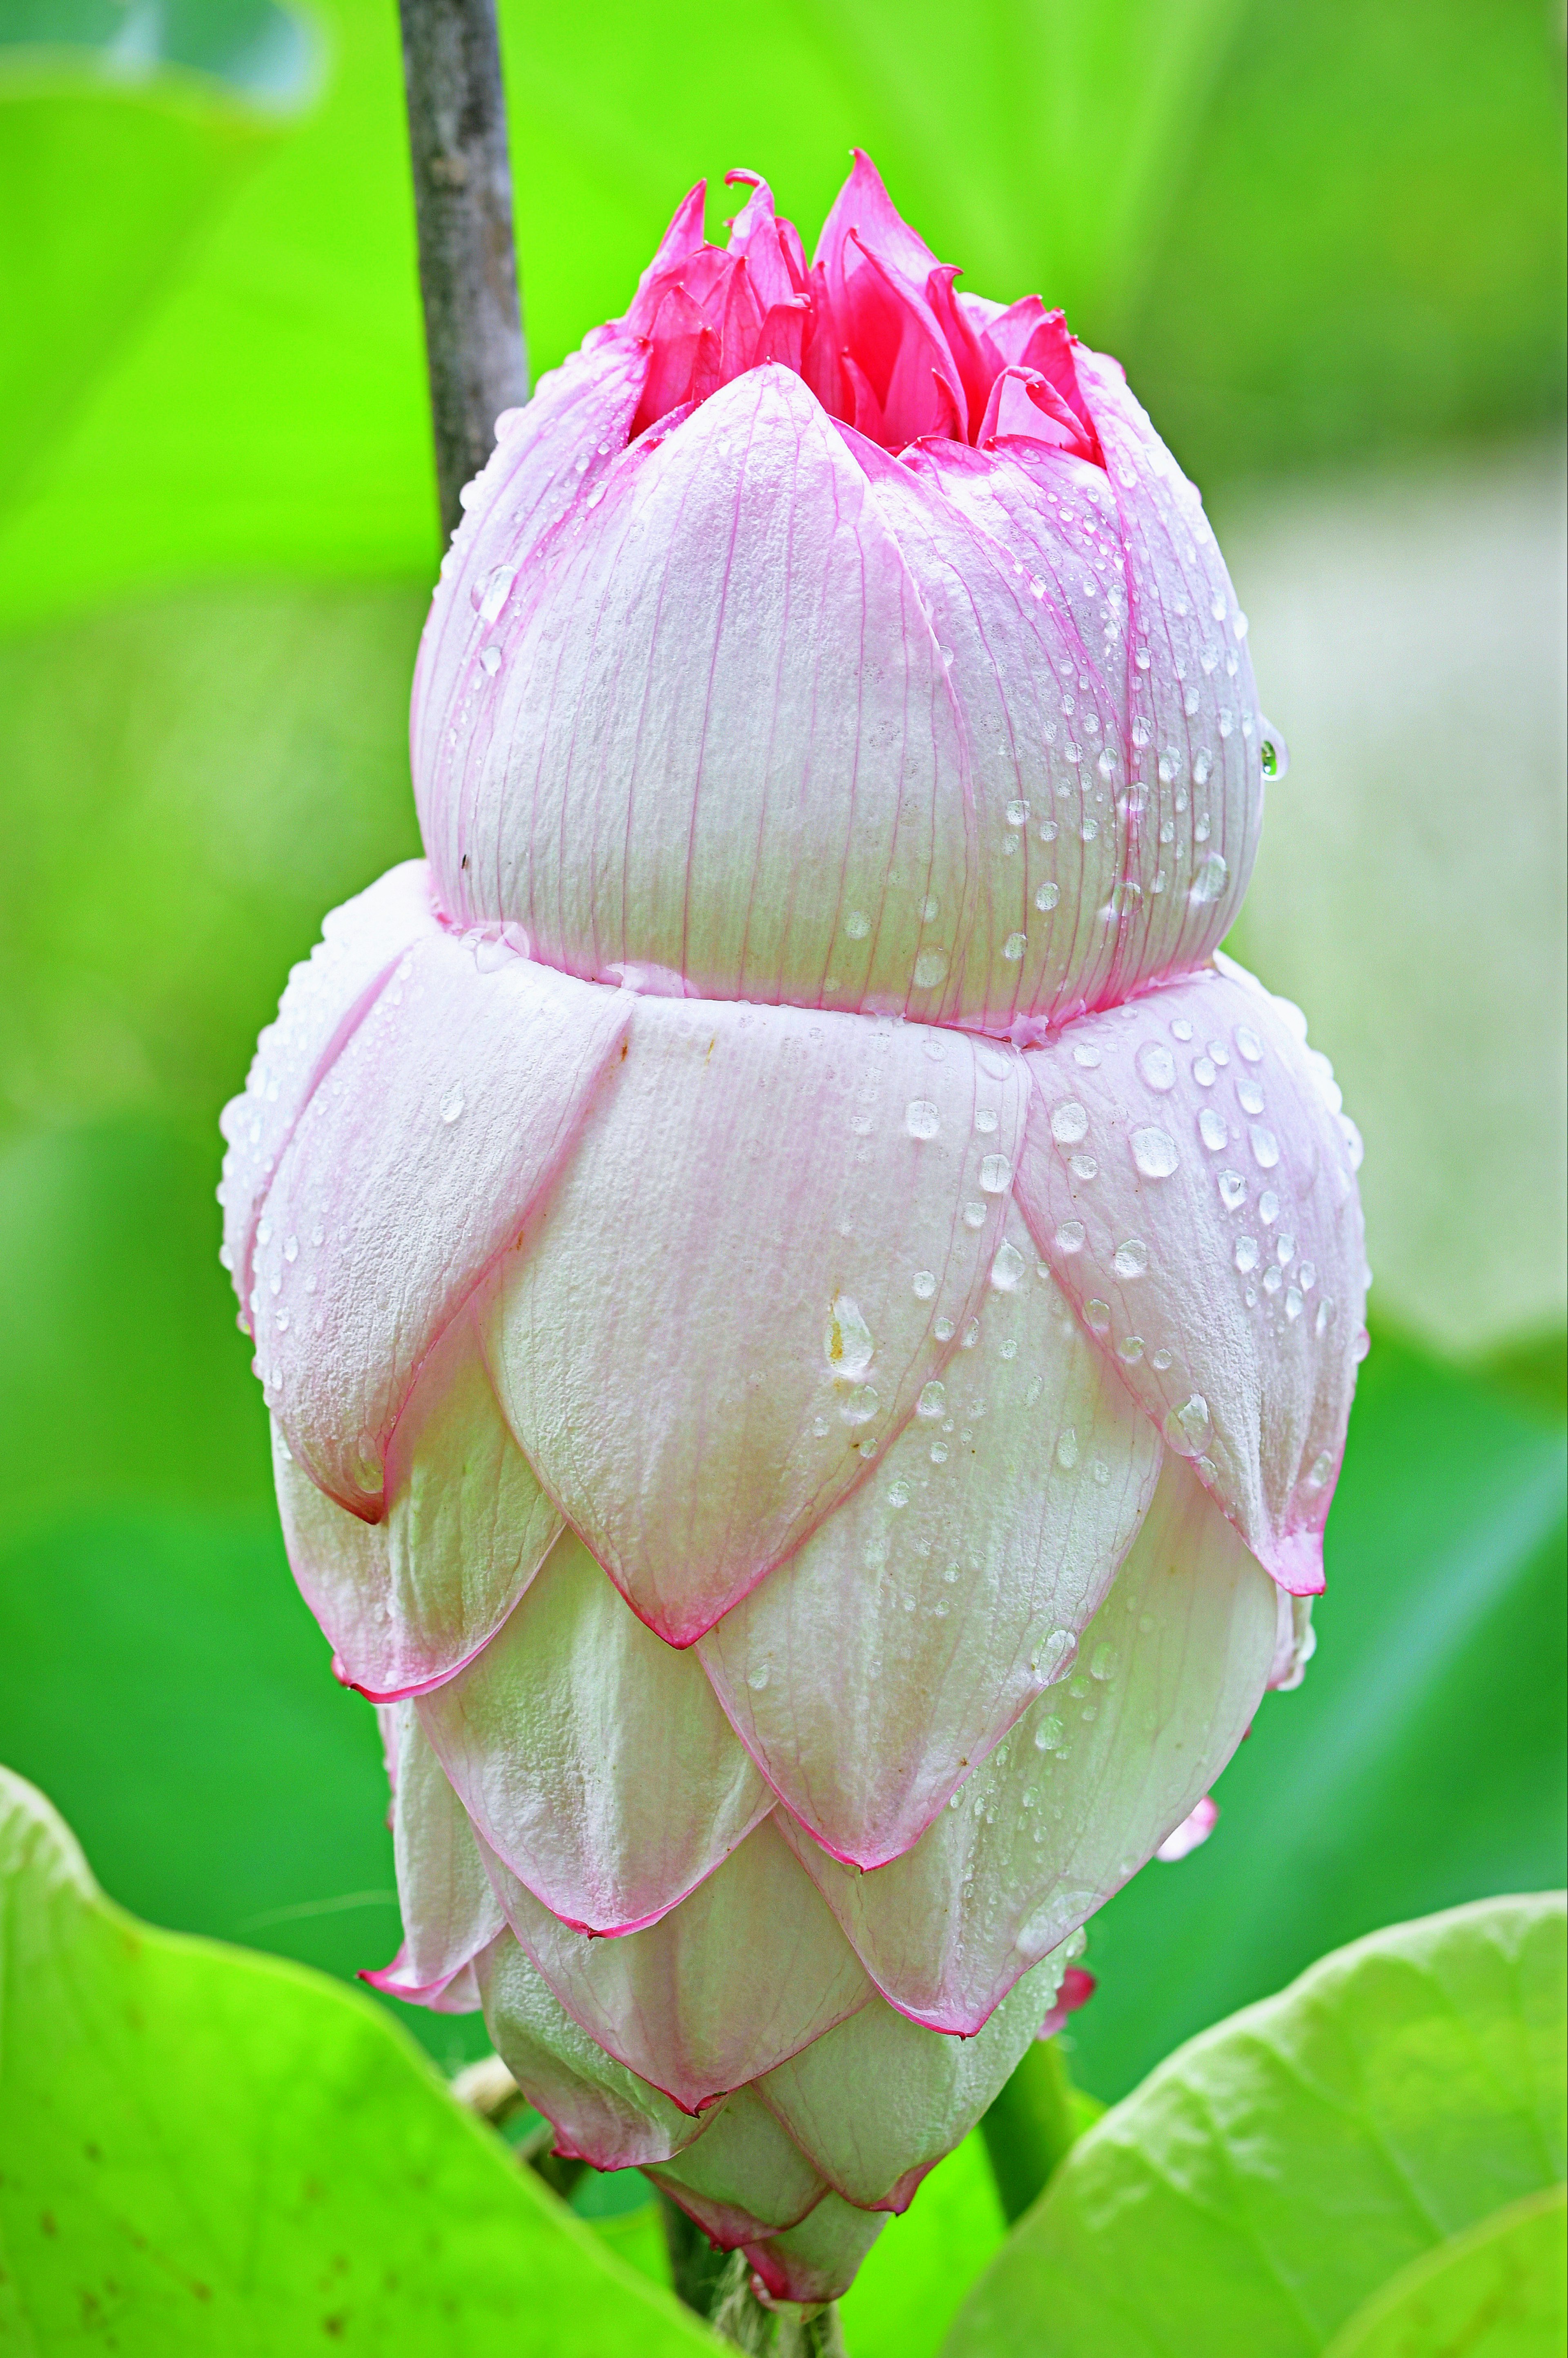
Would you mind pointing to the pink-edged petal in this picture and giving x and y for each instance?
(864, 209)
(446, 1115)
(748, 1969)
(409, 1600)
(816, 2261)
(772, 1230)
(719, 729)
(449, 1911)
(744, 2178)
(593, 1758)
(328, 994)
(602, 2113)
(874, 1669)
(1192, 1833)
(879, 2100)
(1087, 1785)
(1193, 1184)
(550, 459)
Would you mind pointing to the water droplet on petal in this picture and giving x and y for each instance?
(1070, 1236)
(1069, 1122)
(929, 968)
(1131, 1259)
(1210, 881)
(925, 1284)
(1014, 947)
(1047, 898)
(1187, 1428)
(1154, 1152)
(921, 1118)
(1212, 1130)
(1156, 1066)
(996, 1173)
(1007, 1269)
(933, 1400)
(453, 1103)
(847, 1345)
(1265, 1147)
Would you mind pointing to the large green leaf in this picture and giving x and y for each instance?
(1495, 2291)
(1274, 2173)
(206, 2152)
(1418, 1765)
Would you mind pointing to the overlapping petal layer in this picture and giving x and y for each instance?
(871, 1672)
(1190, 1178)
(593, 1758)
(328, 994)
(747, 1971)
(1086, 1786)
(744, 2178)
(816, 2261)
(774, 1228)
(916, 2092)
(462, 1088)
(449, 1912)
(409, 1600)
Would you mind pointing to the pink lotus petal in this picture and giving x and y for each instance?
(1077, 1988)
(327, 995)
(744, 2178)
(592, 1757)
(449, 1911)
(1169, 1675)
(551, 455)
(1192, 1184)
(406, 1601)
(816, 2261)
(748, 1969)
(869, 1672)
(445, 1117)
(718, 762)
(602, 2112)
(1194, 1830)
(750, 1269)
(916, 2093)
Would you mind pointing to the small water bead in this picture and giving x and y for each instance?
(933, 1400)
(921, 1118)
(820, 1427)
(996, 1173)
(1083, 1166)
(1212, 876)
(1097, 1314)
(1265, 1146)
(1248, 1096)
(1246, 1255)
(1131, 1259)
(1363, 1345)
(1212, 1128)
(938, 1452)
(1273, 1281)
(757, 1679)
(1249, 1045)
(264, 1233)
(1203, 766)
(857, 924)
(860, 1406)
(1306, 1277)
(1322, 1466)
(1018, 813)
(1013, 949)
(942, 1328)
(1232, 1190)
(1069, 1123)
(1088, 832)
(1273, 752)
(1268, 1208)
(1070, 1236)
(1010, 1348)
(1131, 1348)
(1102, 1663)
(898, 1494)
(861, 1123)
(1285, 1251)
(1086, 1054)
(847, 1343)
(1154, 1152)
(1181, 1029)
(1204, 1073)
(1067, 1449)
(929, 968)
(1007, 1269)
(967, 1341)
(489, 661)
(453, 1103)
(291, 1250)
(1156, 1066)
(1294, 1305)
(1049, 1734)
(924, 1284)
(1187, 1428)
(974, 1215)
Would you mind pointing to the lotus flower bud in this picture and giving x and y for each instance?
(809, 1315)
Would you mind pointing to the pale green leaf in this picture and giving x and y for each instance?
(1495, 2292)
(1275, 2172)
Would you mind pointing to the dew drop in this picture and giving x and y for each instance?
(1014, 947)
(1187, 1428)
(1156, 1066)
(974, 1215)
(933, 1402)
(1070, 1236)
(1067, 1449)
(453, 1103)
(1265, 1147)
(929, 968)
(1212, 876)
(1007, 1269)
(1097, 1314)
(1069, 1122)
(847, 1343)
(1154, 1152)
(860, 1406)
(1249, 1045)
(925, 1282)
(921, 1118)
(1212, 1130)
(1246, 1255)
(1232, 1190)
(1273, 752)
(1131, 1259)
(996, 1173)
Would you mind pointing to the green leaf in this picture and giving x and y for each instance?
(1418, 1765)
(202, 2150)
(916, 2274)
(1275, 2172)
(1495, 2291)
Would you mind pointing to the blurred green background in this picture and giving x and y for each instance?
(1327, 238)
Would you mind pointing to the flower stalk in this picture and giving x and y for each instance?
(468, 266)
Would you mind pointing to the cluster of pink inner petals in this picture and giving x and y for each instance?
(874, 324)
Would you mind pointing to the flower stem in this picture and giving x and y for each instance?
(468, 266)
(1029, 2127)
(717, 2285)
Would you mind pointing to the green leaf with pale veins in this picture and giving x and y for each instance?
(206, 2151)
(1495, 2292)
(1275, 2174)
